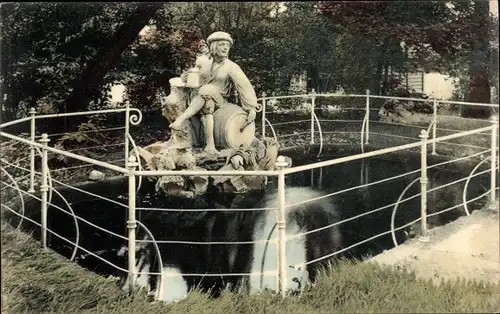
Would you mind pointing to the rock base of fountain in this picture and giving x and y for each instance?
(261, 155)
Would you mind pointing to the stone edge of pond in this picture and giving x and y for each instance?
(435, 259)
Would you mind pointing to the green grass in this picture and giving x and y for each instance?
(35, 280)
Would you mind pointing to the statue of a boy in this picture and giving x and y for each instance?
(217, 73)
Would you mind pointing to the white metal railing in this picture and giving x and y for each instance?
(365, 123)
(133, 171)
(132, 116)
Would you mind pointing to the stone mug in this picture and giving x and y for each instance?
(193, 78)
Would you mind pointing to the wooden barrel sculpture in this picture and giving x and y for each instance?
(229, 119)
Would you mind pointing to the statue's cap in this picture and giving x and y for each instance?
(176, 82)
(219, 36)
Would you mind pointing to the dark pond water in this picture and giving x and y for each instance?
(189, 258)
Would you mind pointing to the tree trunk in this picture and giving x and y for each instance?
(313, 81)
(479, 83)
(146, 97)
(107, 57)
(375, 88)
(385, 83)
(377, 77)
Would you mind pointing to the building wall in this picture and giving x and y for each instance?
(439, 86)
(415, 81)
(433, 84)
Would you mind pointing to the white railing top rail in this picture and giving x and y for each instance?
(438, 100)
(83, 113)
(207, 173)
(65, 153)
(141, 173)
(284, 97)
(245, 172)
(379, 97)
(310, 95)
(461, 134)
(134, 120)
(14, 122)
(381, 151)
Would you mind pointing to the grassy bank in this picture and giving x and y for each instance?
(35, 280)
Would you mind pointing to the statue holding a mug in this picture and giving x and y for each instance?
(213, 76)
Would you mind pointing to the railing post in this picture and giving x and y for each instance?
(493, 176)
(434, 124)
(367, 116)
(313, 105)
(32, 152)
(127, 130)
(44, 188)
(131, 222)
(423, 186)
(281, 224)
(263, 115)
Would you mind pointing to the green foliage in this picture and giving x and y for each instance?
(44, 48)
(153, 59)
(291, 103)
(342, 44)
(46, 53)
(258, 48)
(88, 134)
(450, 37)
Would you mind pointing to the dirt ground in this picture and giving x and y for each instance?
(467, 248)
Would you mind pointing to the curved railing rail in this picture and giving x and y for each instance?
(159, 291)
(471, 175)
(362, 135)
(320, 134)
(272, 129)
(16, 186)
(393, 216)
(132, 168)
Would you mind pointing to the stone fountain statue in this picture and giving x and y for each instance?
(202, 119)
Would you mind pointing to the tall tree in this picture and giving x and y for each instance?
(385, 25)
(47, 47)
(441, 33)
(170, 45)
(253, 28)
(479, 61)
(43, 47)
(108, 56)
